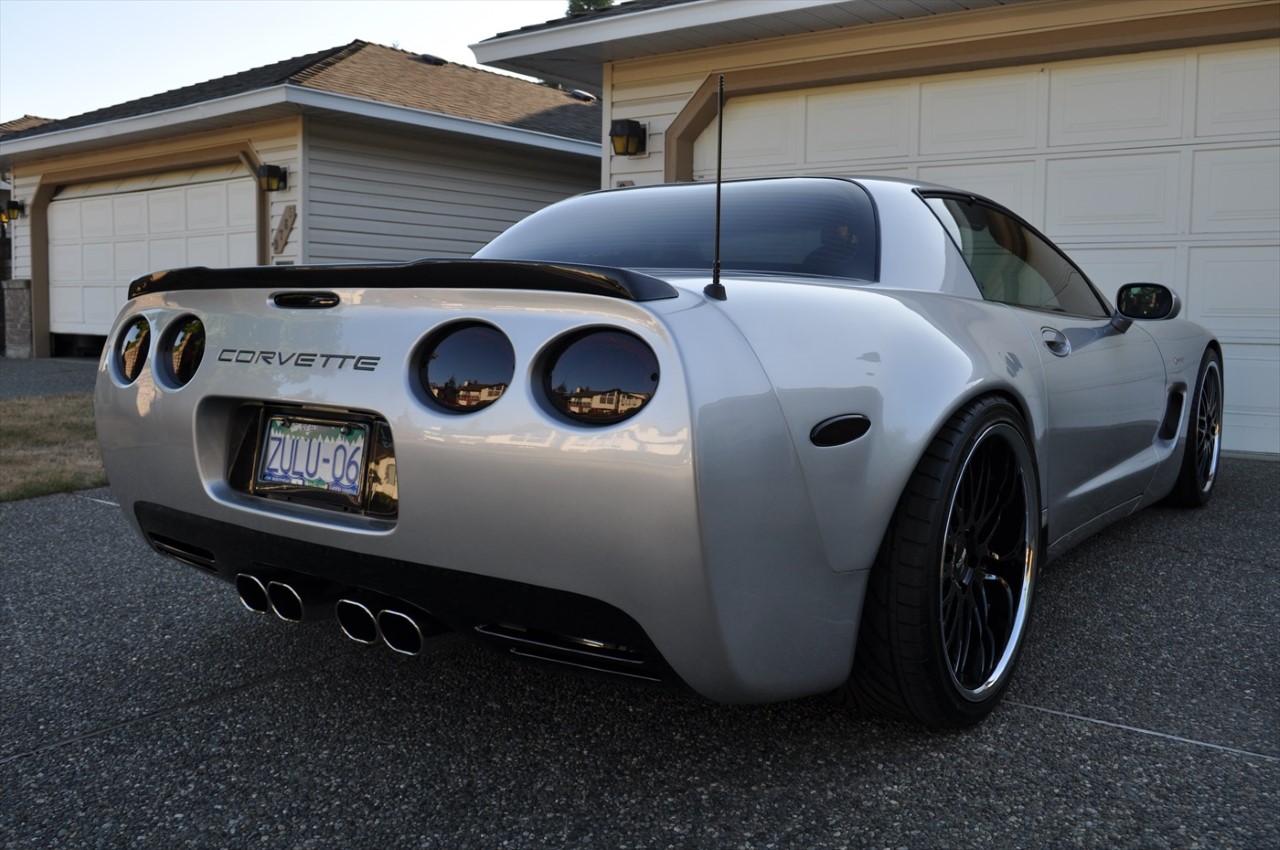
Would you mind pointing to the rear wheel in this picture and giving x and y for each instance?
(949, 597)
(1204, 437)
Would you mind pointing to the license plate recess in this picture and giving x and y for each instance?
(338, 459)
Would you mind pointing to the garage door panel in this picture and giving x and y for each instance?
(167, 253)
(64, 222)
(166, 211)
(1233, 291)
(1011, 183)
(1252, 381)
(66, 304)
(130, 214)
(207, 251)
(64, 263)
(1107, 103)
(242, 204)
(97, 261)
(1111, 268)
(96, 219)
(1100, 196)
(242, 249)
(853, 122)
(131, 260)
(99, 304)
(1238, 92)
(1236, 190)
(982, 115)
(206, 207)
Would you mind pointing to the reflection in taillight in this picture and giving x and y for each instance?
(183, 349)
(467, 366)
(600, 376)
(132, 347)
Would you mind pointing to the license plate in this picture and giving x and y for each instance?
(313, 455)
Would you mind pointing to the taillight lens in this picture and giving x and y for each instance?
(468, 366)
(183, 349)
(132, 347)
(600, 376)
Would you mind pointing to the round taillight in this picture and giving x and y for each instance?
(467, 366)
(132, 347)
(600, 376)
(183, 349)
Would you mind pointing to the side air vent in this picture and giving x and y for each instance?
(1172, 417)
(187, 553)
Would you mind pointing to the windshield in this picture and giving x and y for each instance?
(794, 226)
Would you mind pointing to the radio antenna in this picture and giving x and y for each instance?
(715, 289)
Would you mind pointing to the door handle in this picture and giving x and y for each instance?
(1056, 341)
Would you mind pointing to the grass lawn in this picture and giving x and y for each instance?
(48, 445)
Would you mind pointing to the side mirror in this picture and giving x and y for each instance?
(1147, 301)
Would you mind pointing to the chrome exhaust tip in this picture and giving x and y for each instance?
(286, 601)
(253, 593)
(357, 621)
(400, 632)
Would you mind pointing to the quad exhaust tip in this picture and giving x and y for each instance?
(357, 621)
(253, 593)
(401, 632)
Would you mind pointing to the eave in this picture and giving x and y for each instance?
(273, 103)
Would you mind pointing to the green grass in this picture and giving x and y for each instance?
(48, 445)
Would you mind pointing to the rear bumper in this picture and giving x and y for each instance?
(480, 606)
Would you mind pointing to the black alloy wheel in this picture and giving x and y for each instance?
(949, 598)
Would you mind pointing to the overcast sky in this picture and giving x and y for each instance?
(60, 58)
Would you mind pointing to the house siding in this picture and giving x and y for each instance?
(378, 196)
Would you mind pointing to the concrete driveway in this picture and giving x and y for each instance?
(142, 707)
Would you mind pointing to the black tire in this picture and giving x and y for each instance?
(1203, 446)
(949, 597)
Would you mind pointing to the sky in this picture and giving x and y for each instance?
(60, 58)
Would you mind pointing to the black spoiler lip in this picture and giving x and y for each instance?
(419, 274)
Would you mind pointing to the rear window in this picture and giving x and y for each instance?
(800, 226)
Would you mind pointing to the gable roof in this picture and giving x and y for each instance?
(384, 75)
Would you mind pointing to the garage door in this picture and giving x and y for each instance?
(1159, 166)
(103, 235)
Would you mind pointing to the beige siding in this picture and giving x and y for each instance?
(391, 197)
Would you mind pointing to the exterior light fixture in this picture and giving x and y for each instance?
(273, 178)
(15, 210)
(628, 137)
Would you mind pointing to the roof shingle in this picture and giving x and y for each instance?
(384, 74)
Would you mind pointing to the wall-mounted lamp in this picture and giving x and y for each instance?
(628, 137)
(273, 178)
(14, 210)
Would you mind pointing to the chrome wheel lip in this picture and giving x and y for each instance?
(1010, 435)
(1208, 427)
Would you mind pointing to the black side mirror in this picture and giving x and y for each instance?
(1147, 301)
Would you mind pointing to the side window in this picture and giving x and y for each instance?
(1012, 263)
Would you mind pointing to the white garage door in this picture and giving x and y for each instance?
(1160, 166)
(103, 235)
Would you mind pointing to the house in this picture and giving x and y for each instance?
(1141, 135)
(371, 153)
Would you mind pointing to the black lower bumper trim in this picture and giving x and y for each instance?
(488, 608)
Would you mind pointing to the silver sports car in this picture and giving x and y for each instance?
(823, 443)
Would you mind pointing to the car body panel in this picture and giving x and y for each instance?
(710, 518)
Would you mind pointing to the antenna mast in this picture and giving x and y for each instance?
(715, 289)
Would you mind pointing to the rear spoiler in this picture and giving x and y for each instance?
(420, 274)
